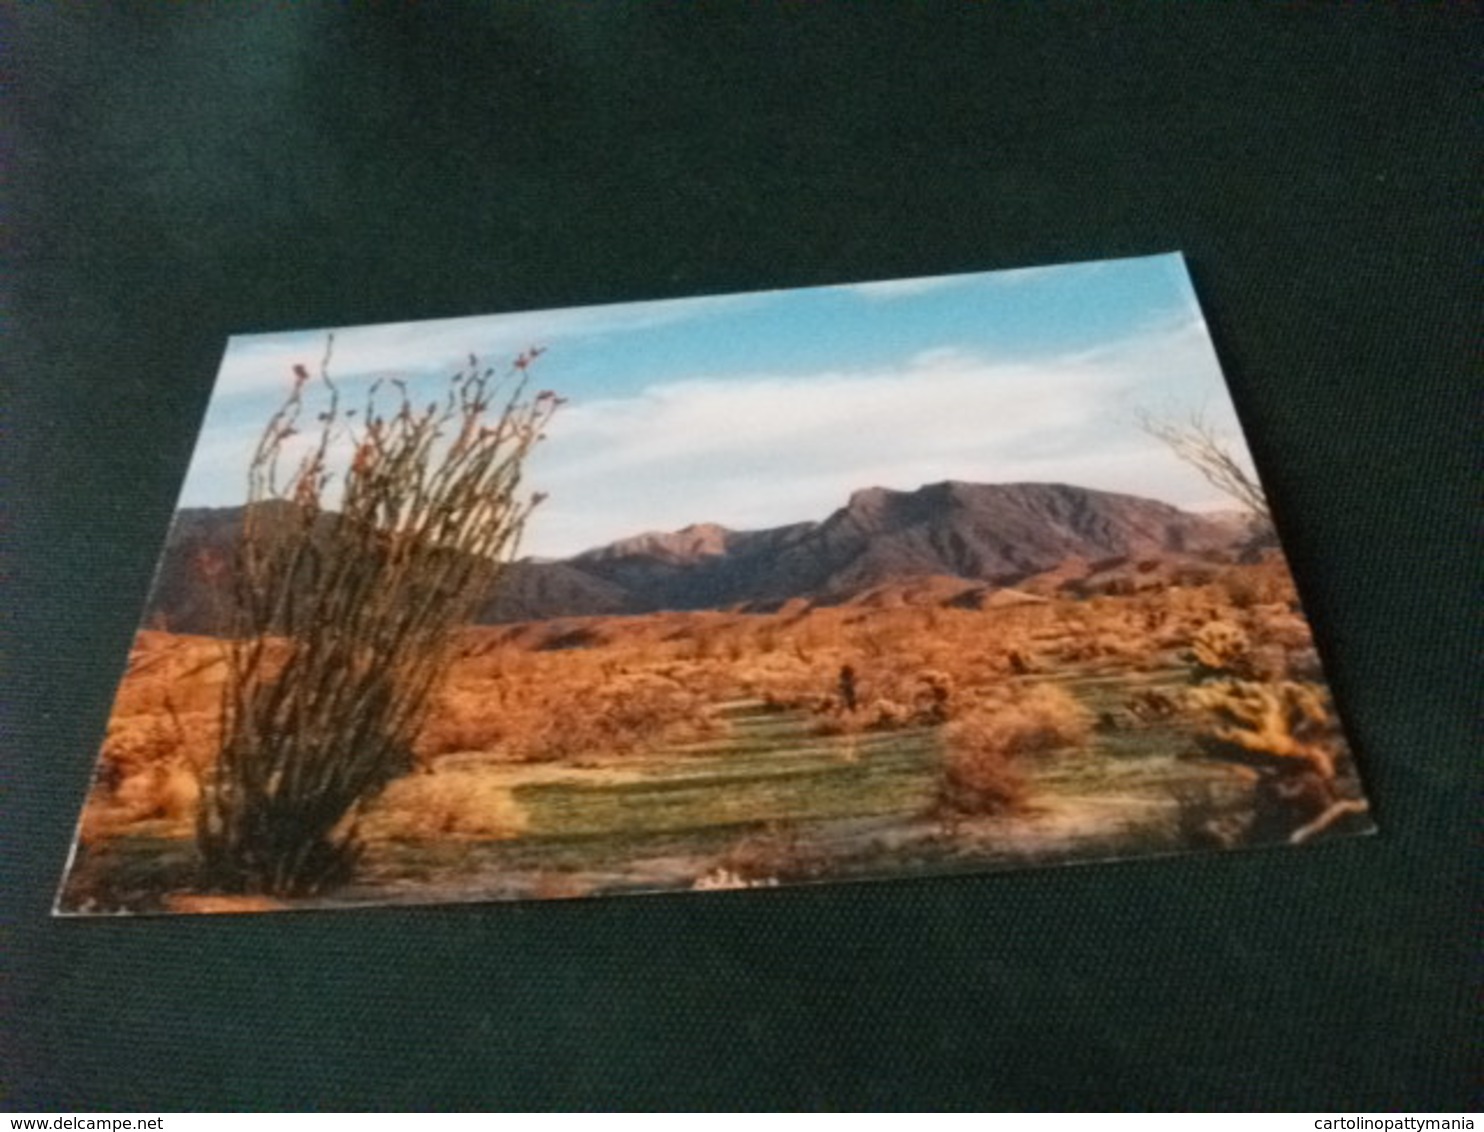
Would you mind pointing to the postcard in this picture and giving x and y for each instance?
(903, 578)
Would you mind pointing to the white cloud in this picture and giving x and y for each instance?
(764, 450)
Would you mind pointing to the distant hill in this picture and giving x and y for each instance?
(987, 536)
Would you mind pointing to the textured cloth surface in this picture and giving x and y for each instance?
(182, 173)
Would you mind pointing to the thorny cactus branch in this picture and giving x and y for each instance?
(342, 618)
(1277, 727)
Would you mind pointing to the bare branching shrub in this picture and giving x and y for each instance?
(1198, 443)
(360, 601)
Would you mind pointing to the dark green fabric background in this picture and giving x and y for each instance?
(183, 172)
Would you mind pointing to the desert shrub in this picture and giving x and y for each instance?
(366, 600)
(888, 715)
(165, 791)
(1220, 647)
(149, 770)
(448, 802)
(626, 714)
(1283, 732)
(1268, 723)
(831, 719)
(1097, 646)
(979, 773)
(933, 699)
(1267, 582)
(136, 744)
(462, 721)
(1242, 589)
(517, 701)
(167, 709)
(878, 699)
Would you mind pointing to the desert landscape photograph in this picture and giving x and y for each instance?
(870, 581)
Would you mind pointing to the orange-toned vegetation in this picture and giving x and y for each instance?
(1283, 735)
(163, 731)
(370, 594)
(453, 802)
(163, 734)
(595, 691)
(982, 745)
(538, 706)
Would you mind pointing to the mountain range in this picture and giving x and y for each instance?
(988, 536)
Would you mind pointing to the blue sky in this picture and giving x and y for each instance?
(763, 408)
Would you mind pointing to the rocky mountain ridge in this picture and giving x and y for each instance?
(993, 535)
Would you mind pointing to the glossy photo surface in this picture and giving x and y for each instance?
(913, 577)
